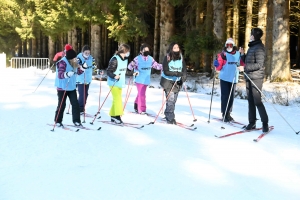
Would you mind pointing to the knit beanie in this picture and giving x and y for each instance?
(257, 33)
(229, 41)
(70, 53)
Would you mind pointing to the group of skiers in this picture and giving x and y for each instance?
(76, 71)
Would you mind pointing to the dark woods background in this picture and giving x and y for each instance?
(35, 28)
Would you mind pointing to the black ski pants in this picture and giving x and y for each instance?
(62, 96)
(225, 91)
(254, 101)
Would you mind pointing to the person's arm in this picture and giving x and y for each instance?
(112, 67)
(156, 65)
(221, 61)
(61, 68)
(259, 57)
(133, 64)
(166, 70)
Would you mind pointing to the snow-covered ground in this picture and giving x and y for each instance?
(157, 162)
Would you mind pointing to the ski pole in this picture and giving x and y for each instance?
(189, 103)
(60, 105)
(127, 97)
(101, 73)
(162, 100)
(128, 87)
(232, 84)
(43, 78)
(262, 94)
(163, 103)
(84, 96)
(212, 94)
(104, 101)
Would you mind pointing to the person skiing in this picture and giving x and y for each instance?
(227, 62)
(83, 80)
(65, 81)
(174, 72)
(142, 65)
(254, 68)
(116, 71)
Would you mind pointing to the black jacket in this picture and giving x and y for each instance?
(112, 66)
(167, 84)
(254, 60)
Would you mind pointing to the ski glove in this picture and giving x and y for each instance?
(83, 67)
(79, 61)
(216, 63)
(69, 74)
(179, 74)
(179, 82)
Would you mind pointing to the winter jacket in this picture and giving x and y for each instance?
(168, 74)
(254, 60)
(228, 63)
(117, 66)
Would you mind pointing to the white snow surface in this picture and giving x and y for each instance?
(159, 161)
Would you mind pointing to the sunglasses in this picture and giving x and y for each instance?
(229, 45)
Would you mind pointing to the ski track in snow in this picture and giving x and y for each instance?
(156, 162)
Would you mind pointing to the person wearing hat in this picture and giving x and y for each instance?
(83, 80)
(65, 81)
(227, 62)
(172, 78)
(254, 69)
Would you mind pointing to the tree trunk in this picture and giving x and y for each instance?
(269, 41)
(51, 48)
(248, 23)
(25, 48)
(219, 19)
(156, 31)
(72, 38)
(298, 47)
(107, 51)
(167, 25)
(95, 42)
(281, 41)
(236, 27)
(137, 45)
(209, 31)
(229, 19)
(262, 17)
(34, 48)
(44, 49)
(30, 48)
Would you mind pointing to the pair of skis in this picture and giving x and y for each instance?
(238, 124)
(163, 121)
(77, 128)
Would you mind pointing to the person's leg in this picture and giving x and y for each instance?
(225, 90)
(87, 86)
(170, 107)
(251, 106)
(138, 97)
(61, 105)
(75, 106)
(230, 104)
(258, 103)
(80, 88)
(116, 109)
(142, 98)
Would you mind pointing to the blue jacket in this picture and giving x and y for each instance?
(121, 71)
(229, 71)
(144, 69)
(68, 84)
(86, 76)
